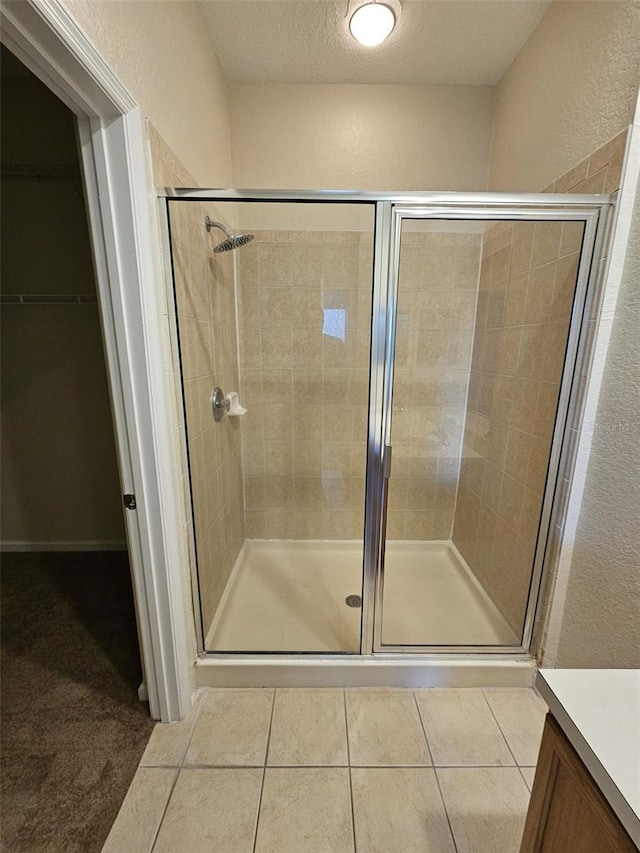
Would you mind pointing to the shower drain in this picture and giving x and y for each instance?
(354, 601)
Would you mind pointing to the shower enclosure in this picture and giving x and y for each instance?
(386, 480)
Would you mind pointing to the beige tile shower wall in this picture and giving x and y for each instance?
(205, 296)
(599, 173)
(527, 283)
(438, 286)
(526, 286)
(306, 391)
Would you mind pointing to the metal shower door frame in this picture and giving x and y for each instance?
(390, 210)
(593, 211)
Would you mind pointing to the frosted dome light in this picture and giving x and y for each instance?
(372, 23)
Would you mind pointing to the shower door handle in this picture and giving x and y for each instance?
(386, 461)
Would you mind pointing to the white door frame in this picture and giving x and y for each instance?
(127, 257)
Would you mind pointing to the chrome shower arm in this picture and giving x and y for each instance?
(209, 223)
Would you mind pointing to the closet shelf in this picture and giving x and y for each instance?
(39, 171)
(48, 299)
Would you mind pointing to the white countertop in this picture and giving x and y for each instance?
(599, 712)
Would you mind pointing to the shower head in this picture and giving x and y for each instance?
(233, 241)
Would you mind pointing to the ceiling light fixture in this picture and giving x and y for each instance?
(372, 22)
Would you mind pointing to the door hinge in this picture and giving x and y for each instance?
(129, 501)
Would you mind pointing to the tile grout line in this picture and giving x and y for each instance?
(525, 781)
(178, 764)
(508, 745)
(501, 732)
(264, 770)
(340, 766)
(201, 702)
(435, 773)
(346, 729)
(164, 811)
(424, 731)
(178, 770)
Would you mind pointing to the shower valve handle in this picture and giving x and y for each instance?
(218, 404)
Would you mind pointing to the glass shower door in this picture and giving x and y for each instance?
(482, 315)
(470, 320)
(283, 320)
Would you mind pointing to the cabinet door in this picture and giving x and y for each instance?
(567, 810)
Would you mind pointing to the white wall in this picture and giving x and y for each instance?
(570, 90)
(361, 137)
(161, 52)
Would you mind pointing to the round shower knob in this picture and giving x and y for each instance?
(218, 404)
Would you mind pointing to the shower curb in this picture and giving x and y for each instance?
(360, 671)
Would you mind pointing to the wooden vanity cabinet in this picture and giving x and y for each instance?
(567, 812)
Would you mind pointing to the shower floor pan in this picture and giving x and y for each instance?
(290, 596)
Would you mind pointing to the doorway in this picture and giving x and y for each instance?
(71, 667)
(114, 150)
(60, 484)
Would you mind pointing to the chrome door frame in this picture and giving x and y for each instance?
(390, 209)
(593, 212)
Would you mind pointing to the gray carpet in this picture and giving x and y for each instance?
(73, 730)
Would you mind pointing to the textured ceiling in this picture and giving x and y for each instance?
(307, 41)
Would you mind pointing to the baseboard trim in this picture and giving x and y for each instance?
(83, 545)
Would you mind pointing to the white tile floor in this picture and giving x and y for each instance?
(363, 770)
(290, 596)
